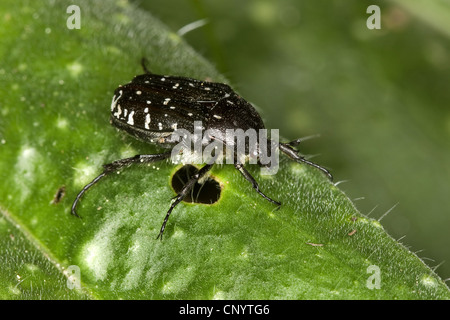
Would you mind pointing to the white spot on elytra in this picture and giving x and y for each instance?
(139, 92)
(160, 125)
(146, 110)
(163, 79)
(131, 119)
(118, 112)
(217, 117)
(173, 108)
(114, 101)
(147, 121)
(148, 102)
(190, 114)
(166, 101)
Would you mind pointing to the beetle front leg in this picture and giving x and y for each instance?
(287, 149)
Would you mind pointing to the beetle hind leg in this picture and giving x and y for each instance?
(186, 189)
(255, 185)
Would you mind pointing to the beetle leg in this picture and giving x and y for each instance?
(186, 189)
(293, 154)
(296, 142)
(116, 165)
(252, 180)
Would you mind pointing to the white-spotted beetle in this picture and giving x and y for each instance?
(152, 107)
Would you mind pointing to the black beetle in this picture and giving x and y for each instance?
(153, 107)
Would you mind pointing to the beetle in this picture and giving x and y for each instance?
(153, 107)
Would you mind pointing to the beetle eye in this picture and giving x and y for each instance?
(207, 192)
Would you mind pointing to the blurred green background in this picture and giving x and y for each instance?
(378, 98)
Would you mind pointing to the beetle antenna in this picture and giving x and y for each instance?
(144, 65)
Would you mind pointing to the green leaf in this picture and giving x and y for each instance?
(434, 13)
(56, 86)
